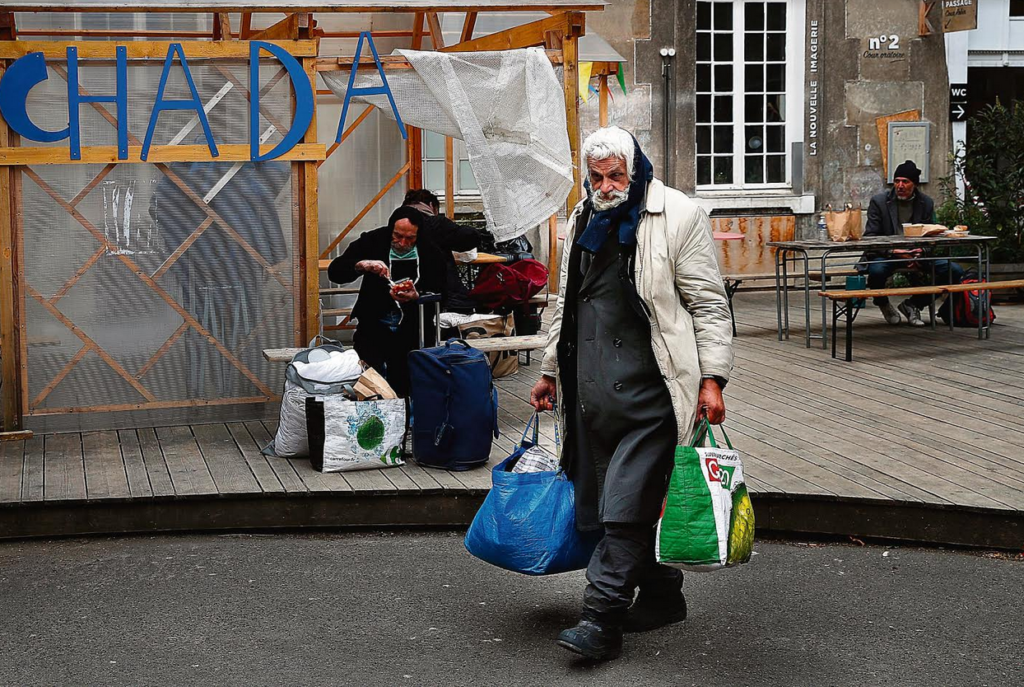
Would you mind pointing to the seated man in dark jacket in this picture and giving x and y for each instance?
(887, 213)
(397, 266)
(450, 237)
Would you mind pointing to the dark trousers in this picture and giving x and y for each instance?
(879, 272)
(387, 352)
(622, 562)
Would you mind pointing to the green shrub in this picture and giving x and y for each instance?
(991, 167)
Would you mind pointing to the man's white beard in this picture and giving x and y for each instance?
(602, 203)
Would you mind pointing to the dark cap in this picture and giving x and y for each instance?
(908, 170)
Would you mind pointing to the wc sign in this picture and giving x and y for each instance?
(30, 70)
(957, 102)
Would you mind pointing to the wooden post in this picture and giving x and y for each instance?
(309, 198)
(449, 177)
(10, 346)
(553, 254)
(416, 157)
(602, 86)
(570, 84)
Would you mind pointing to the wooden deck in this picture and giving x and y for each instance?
(920, 438)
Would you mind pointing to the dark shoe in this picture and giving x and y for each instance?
(650, 613)
(596, 641)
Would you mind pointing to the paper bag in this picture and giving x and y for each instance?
(845, 224)
(371, 385)
(503, 363)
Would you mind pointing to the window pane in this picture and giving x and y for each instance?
(723, 108)
(723, 16)
(776, 108)
(703, 15)
(723, 139)
(723, 47)
(467, 182)
(433, 145)
(754, 169)
(703, 108)
(776, 169)
(1017, 8)
(776, 16)
(753, 46)
(754, 78)
(723, 78)
(703, 47)
(753, 108)
(703, 139)
(776, 47)
(723, 170)
(703, 78)
(433, 175)
(776, 139)
(776, 77)
(754, 16)
(703, 170)
(755, 139)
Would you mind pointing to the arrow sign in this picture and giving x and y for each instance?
(957, 112)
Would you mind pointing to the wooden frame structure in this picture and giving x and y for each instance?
(298, 33)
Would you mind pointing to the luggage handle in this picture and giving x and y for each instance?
(704, 431)
(449, 342)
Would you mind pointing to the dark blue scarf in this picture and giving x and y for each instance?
(625, 216)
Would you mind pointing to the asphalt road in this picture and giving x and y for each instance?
(416, 609)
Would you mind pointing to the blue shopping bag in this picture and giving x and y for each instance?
(527, 523)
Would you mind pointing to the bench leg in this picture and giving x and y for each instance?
(849, 333)
(835, 317)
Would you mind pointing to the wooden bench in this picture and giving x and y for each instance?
(847, 303)
(532, 342)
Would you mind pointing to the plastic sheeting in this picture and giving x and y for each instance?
(507, 106)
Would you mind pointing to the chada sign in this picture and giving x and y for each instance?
(30, 70)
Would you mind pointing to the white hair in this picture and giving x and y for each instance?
(611, 141)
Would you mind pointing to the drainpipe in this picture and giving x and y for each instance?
(666, 111)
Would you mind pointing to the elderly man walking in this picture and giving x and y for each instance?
(640, 347)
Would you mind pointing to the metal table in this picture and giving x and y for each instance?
(800, 251)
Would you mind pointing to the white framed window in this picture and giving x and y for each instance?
(433, 166)
(749, 88)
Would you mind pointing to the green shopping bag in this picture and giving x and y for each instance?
(707, 522)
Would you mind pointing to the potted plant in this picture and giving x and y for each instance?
(991, 168)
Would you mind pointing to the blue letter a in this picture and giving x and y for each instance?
(159, 105)
(369, 90)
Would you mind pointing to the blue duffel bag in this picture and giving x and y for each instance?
(527, 523)
(453, 406)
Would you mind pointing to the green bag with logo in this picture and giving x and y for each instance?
(707, 522)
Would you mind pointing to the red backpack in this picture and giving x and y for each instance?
(968, 306)
(505, 286)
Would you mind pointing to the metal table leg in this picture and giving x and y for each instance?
(778, 293)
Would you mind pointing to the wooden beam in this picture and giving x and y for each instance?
(333, 6)
(126, 33)
(310, 296)
(157, 405)
(436, 37)
(393, 62)
(449, 177)
(525, 36)
(148, 50)
(467, 27)
(286, 29)
(10, 348)
(553, 254)
(602, 88)
(570, 85)
(416, 171)
(245, 31)
(417, 31)
(221, 26)
(235, 152)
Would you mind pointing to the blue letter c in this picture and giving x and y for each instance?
(23, 74)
